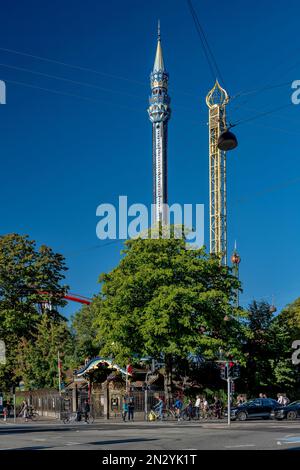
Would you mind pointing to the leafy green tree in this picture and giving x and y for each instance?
(285, 329)
(167, 301)
(37, 359)
(289, 318)
(268, 350)
(258, 347)
(85, 342)
(28, 277)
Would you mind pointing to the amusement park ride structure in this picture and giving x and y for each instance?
(216, 101)
(46, 301)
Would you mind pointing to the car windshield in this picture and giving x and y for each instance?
(295, 403)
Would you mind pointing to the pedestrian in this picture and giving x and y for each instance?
(178, 408)
(24, 410)
(159, 407)
(189, 410)
(5, 413)
(125, 409)
(8, 407)
(86, 410)
(198, 405)
(286, 400)
(205, 408)
(217, 407)
(131, 409)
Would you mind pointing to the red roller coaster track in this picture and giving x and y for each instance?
(72, 297)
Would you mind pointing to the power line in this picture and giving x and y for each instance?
(75, 82)
(73, 95)
(65, 64)
(211, 60)
(252, 118)
(270, 189)
(95, 247)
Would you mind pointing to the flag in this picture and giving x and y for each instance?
(129, 369)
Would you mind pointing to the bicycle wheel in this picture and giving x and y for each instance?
(34, 416)
(91, 419)
(167, 415)
(185, 416)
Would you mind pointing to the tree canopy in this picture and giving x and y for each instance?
(166, 300)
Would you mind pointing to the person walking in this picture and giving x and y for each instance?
(125, 409)
(86, 410)
(131, 409)
(24, 410)
(159, 407)
(178, 408)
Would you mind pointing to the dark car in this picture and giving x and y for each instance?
(258, 408)
(290, 412)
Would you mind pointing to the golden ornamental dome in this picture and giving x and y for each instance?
(217, 96)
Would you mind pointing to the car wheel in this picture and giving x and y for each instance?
(242, 416)
(291, 415)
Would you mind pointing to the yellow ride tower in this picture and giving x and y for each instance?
(216, 101)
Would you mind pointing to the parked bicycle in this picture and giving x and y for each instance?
(28, 413)
(77, 417)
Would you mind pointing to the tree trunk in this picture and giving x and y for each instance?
(168, 379)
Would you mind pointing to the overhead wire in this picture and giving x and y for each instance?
(259, 115)
(73, 95)
(68, 80)
(211, 60)
(73, 66)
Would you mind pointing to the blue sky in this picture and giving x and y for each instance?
(67, 150)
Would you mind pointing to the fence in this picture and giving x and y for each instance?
(49, 403)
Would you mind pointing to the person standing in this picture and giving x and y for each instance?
(125, 409)
(198, 404)
(131, 409)
(86, 410)
(280, 399)
(217, 407)
(189, 410)
(205, 408)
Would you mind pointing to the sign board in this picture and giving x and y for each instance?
(2, 352)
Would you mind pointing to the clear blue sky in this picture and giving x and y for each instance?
(62, 155)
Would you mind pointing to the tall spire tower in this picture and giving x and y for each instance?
(159, 114)
(216, 101)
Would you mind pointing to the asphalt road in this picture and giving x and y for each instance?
(258, 435)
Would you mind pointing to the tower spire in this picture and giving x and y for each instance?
(159, 61)
(159, 114)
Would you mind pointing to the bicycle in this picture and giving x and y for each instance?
(77, 417)
(187, 415)
(90, 418)
(167, 414)
(31, 414)
(72, 418)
